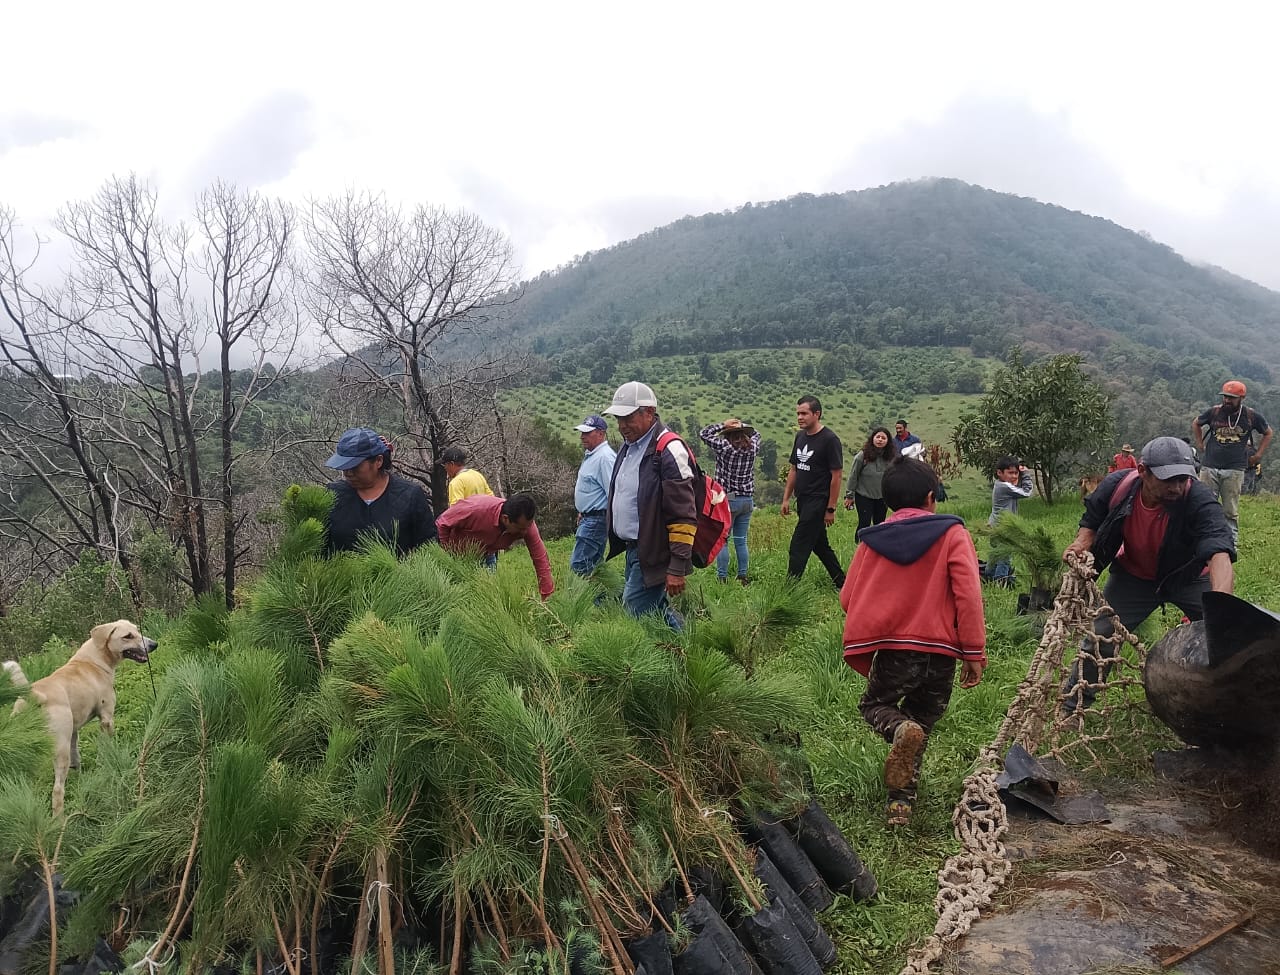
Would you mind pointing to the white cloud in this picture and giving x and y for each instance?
(567, 123)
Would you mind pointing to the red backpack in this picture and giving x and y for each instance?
(1126, 482)
(712, 503)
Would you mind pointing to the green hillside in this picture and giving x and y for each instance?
(930, 263)
(895, 301)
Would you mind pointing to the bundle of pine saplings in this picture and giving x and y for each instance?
(415, 765)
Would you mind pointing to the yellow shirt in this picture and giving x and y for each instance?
(467, 483)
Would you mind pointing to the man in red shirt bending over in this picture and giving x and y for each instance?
(488, 525)
(1166, 540)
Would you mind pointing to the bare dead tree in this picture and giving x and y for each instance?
(130, 282)
(59, 493)
(101, 406)
(391, 291)
(245, 255)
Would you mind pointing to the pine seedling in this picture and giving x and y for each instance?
(306, 502)
(486, 626)
(31, 832)
(299, 608)
(26, 747)
(263, 710)
(1031, 547)
(758, 626)
(201, 626)
(369, 649)
(418, 590)
(252, 833)
(613, 657)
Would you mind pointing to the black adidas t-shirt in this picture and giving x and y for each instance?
(814, 458)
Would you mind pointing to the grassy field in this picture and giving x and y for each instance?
(846, 759)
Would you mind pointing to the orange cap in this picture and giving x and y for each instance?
(1233, 387)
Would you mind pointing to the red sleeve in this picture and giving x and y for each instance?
(850, 580)
(445, 529)
(962, 566)
(541, 564)
(455, 527)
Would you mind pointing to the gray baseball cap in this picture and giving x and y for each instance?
(1167, 457)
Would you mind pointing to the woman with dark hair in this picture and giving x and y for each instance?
(869, 465)
(373, 501)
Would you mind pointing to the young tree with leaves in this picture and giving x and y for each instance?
(1048, 412)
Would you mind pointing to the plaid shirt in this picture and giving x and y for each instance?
(735, 469)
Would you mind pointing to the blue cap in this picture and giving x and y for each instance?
(357, 444)
(594, 422)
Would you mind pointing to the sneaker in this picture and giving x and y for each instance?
(900, 766)
(744, 580)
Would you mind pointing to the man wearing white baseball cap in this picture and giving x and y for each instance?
(651, 511)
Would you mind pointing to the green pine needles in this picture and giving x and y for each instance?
(1032, 549)
(365, 739)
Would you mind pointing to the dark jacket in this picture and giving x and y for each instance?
(1197, 528)
(668, 516)
(402, 514)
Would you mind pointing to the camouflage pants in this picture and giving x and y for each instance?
(907, 686)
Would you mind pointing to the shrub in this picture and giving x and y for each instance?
(88, 593)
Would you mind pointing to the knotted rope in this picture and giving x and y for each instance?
(969, 879)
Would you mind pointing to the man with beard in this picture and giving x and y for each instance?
(1228, 448)
(1164, 537)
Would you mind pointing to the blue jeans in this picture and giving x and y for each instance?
(588, 545)
(740, 507)
(639, 599)
(1001, 569)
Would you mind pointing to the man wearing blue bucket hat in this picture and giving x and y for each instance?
(371, 500)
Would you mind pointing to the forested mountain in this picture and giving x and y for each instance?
(934, 262)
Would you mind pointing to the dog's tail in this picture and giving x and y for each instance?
(15, 673)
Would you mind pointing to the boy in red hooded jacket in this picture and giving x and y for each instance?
(914, 604)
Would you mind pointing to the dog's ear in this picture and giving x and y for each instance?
(101, 634)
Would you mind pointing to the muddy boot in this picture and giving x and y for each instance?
(900, 766)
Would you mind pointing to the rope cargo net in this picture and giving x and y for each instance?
(1081, 702)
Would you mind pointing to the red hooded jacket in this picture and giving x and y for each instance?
(913, 585)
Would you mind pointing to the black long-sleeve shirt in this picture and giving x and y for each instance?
(401, 514)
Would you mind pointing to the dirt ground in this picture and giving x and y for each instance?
(1181, 859)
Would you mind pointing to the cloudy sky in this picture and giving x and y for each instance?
(576, 125)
